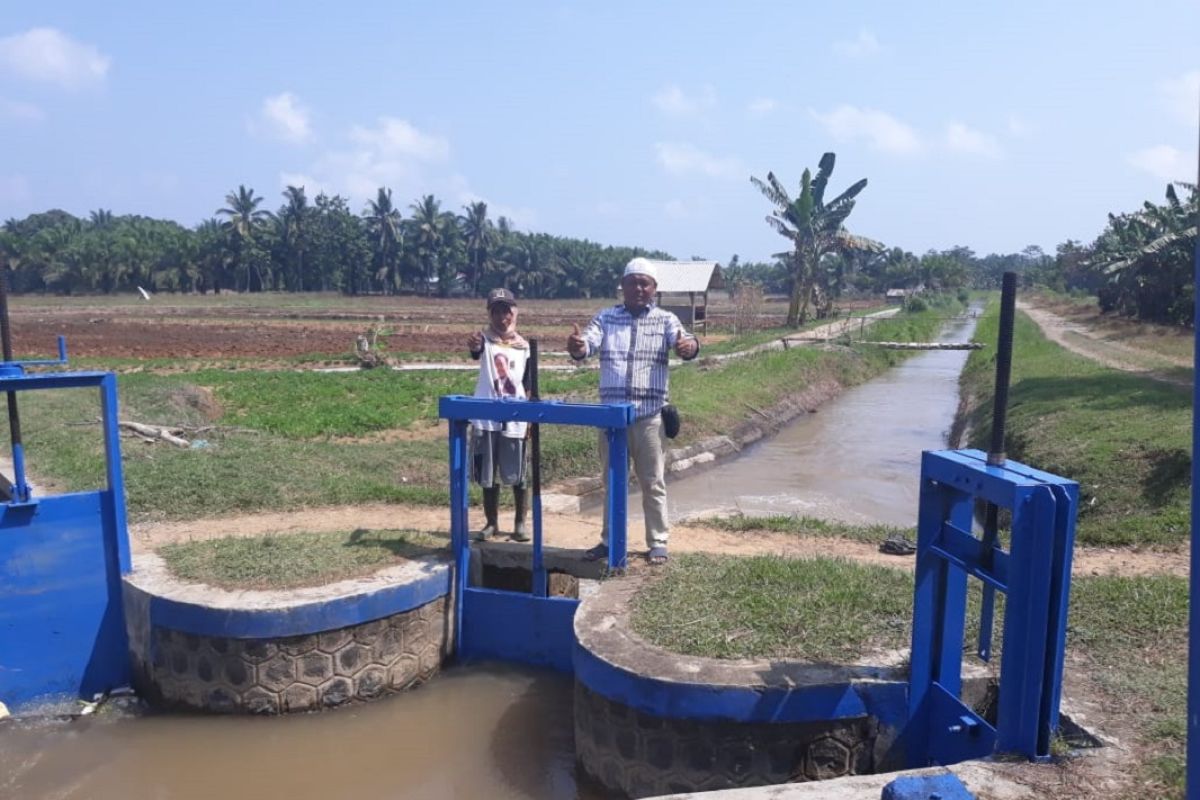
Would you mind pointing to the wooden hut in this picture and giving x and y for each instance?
(683, 288)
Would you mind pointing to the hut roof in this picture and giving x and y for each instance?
(688, 276)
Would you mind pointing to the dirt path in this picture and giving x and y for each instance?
(1088, 343)
(564, 530)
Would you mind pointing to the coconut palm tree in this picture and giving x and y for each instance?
(428, 235)
(480, 238)
(293, 236)
(815, 228)
(243, 221)
(384, 227)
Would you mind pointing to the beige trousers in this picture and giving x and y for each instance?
(646, 445)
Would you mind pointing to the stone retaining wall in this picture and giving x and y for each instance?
(644, 755)
(294, 673)
(271, 652)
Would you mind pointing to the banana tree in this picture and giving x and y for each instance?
(815, 229)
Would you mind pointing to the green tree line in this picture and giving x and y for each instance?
(306, 245)
(1140, 265)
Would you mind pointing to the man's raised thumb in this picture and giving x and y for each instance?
(575, 326)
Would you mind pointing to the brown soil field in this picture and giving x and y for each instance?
(286, 326)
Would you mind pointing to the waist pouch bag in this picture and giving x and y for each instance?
(670, 419)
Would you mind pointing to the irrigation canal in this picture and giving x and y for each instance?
(498, 732)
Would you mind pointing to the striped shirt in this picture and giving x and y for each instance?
(633, 355)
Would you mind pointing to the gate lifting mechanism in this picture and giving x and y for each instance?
(1035, 576)
(532, 628)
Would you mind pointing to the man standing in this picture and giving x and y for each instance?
(635, 339)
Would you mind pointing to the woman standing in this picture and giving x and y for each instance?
(498, 448)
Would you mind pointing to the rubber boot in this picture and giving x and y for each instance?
(491, 513)
(521, 501)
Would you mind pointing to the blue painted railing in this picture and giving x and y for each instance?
(531, 628)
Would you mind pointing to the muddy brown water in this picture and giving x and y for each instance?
(492, 731)
(856, 459)
(489, 731)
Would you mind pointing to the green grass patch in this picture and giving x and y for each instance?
(1133, 631)
(1126, 439)
(288, 561)
(803, 526)
(279, 440)
(821, 610)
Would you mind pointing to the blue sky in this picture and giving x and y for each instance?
(991, 125)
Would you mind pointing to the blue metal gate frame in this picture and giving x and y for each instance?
(529, 628)
(1035, 575)
(62, 622)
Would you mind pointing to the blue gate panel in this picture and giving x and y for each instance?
(62, 631)
(514, 626)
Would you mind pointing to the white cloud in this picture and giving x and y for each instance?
(1165, 162)
(393, 154)
(674, 101)
(861, 46)
(283, 117)
(22, 112)
(761, 106)
(881, 130)
(675, 209)
(396, 138)
(683, 158)
(49, 55)
(1182, 96)
(963, 139)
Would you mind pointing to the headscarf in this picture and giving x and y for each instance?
(507, 336)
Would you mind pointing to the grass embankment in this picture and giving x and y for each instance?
(295, 559)
(1127, 637)
(279, 440)
(1125, 438)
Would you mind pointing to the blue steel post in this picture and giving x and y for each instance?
(116, 476)
(618, 497)
(1023, 719)
(459, 541)
(1193, 720)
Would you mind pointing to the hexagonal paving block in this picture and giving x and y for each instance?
(826, 758)
(298, 645)
(299, 697)
(204, 668)
(221, 700)
(415, 631)
(277, 674)
(259, 701)
(431, 660)
(336, 691)
(862, 758)
(256, 651)
(332, 641)
(404, 671)
(180, 663)
(238, 673)
(351, 658)
(388, 646)
(314, 668)
(368, 632)
(219, 645)
(371, 682)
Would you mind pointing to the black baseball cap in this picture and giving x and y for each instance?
(500, 296)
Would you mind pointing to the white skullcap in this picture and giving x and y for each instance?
(642, 266)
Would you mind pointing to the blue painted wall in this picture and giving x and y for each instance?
(62, 631)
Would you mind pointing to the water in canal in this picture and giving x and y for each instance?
(856, 459)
